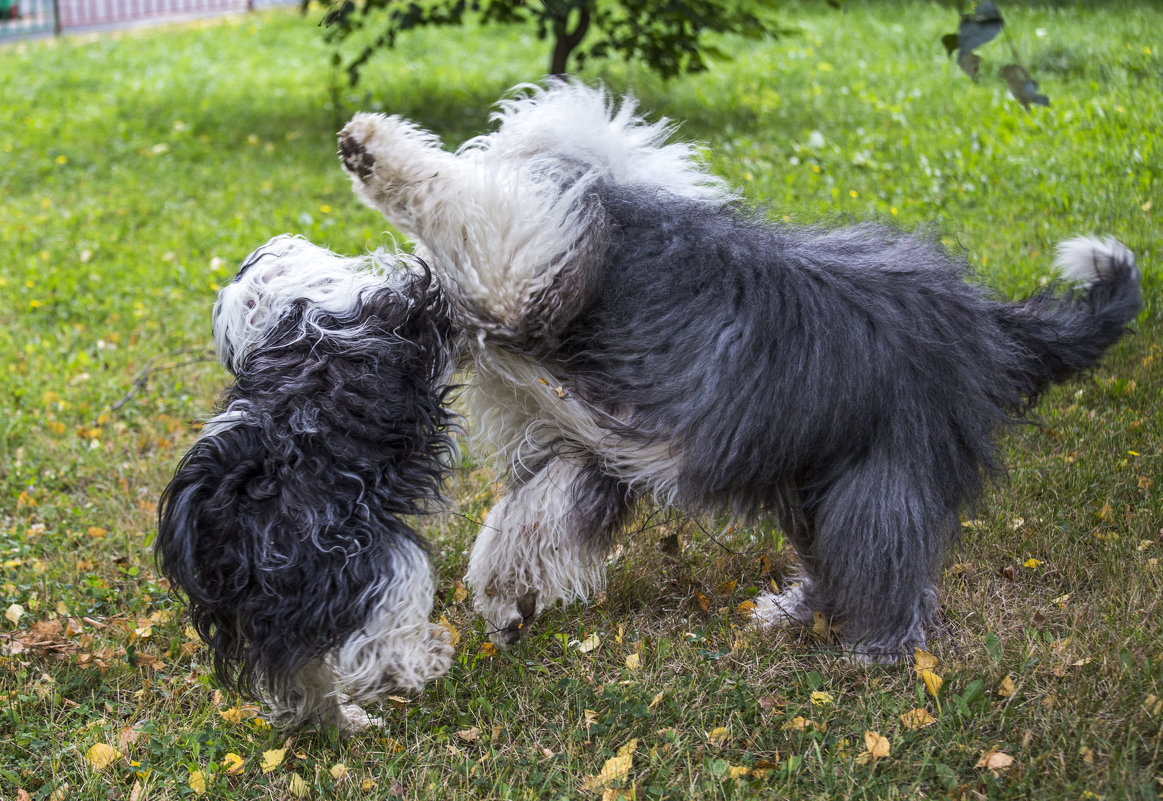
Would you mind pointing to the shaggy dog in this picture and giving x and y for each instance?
(283, 524)
(634, 332)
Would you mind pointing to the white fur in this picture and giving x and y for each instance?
(528, 544)
(398, 649)
(1085, 259)
(500, 227)
(290, 269)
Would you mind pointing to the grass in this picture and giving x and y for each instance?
(136, 169)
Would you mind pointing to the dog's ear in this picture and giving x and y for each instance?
(198, 547)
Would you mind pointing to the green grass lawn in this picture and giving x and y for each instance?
(136, 170)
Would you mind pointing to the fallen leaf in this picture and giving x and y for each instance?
(101, 755)
(470, 735)
(1153, 705)
(917, 719)
(633, 661)
(657, 699)
(1006, 687)
(746, 609)
(923, 660)
(876, 746)
(726, 588)
(488, 651)
(272, 759)
(718, 736)
(459, 593)
(932, 682)
(14, 613)
(298, 786)
(995, 761)
(233, 764)
(453, 633)
(391, 746)
(367, 784)
(703, 601)
(614, 771)
(820, 698)
(821, 625)
(590, 643)
(197, 782)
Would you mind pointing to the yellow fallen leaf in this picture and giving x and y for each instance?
(821, 626)
(459, 593)
(821, 698)
(657, 699)
(1153, 705)
(1005, 687)
(1033, 563)
(272, 759)
(232, 715)
(614, 771)
(488, 651)
(298, 786)
(726, 588)
(590, 643)
(746, 609)
(994, 760)
(633, 661)
(737, 771)
(96, 532)
(14, 613)
(453, 633)
(391, 746)
(197, 782)
(923, 660)
(917, 719)
(876, 746)
(367, 784)
(932, 681)
(101, 755)
(233, 764)
(338, 771)
(703, 601)
(629, 748)
(718, 735)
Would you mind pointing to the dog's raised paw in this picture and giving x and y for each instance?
(356, 159)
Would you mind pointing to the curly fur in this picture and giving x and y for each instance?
(284, 524)
(636, 332)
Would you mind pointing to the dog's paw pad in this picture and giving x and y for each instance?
(356, 159)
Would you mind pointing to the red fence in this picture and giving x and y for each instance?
(22, 17)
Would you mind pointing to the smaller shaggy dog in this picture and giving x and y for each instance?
(635, 332)
(283, 524)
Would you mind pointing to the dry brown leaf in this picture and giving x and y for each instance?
(726, 588)
(995, 761)
(470, 735)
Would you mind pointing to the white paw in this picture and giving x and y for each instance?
(778, 610)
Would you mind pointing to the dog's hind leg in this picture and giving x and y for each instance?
(880, 535)
(544, 542)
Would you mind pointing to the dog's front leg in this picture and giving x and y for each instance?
(544, 542)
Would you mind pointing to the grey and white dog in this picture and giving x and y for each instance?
(635, 332)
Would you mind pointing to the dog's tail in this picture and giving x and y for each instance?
(1061, 334)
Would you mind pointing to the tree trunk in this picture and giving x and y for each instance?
(566, 41)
